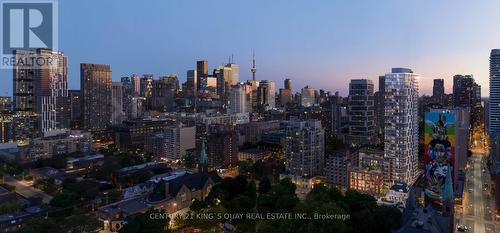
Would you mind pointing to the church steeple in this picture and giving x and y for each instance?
(203, 160)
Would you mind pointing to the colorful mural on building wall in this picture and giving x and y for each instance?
(439, 156)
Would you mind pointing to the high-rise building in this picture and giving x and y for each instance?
(179, 139)
(494, 103)
(147, 85)
(136, 85)
(438, 91)
(43, 88)
(96, 96)
(127, 93)
(462, 90)
(401, 123)
(192, 83)
(361, 112)
(222, 146)
(137, 107)
(285, 96)
(24, 85)
(25, 127)
(238, 99)
(379, 106)
(164, 90)
(288, 84)
(286, 93)
(202, 68)
(6, 127)
(338, 110)
(467, 93)
(266, 94)
(305, 148)
(116, 103)
(227, 75)
(308, 97)
(76, 109)
(52, 91)
(494, 119)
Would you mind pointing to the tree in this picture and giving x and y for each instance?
(8, 187)
(152, 221)
(81, 223)
(9, 207)
(40, 225)
(63, 204)
(47, 185)
(264, 185)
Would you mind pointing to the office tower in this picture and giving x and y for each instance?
(308, 98)
(227, 75)
(136, 85)
(288, 84)
(266, 95)
(462, 90)
(202, 68)
(285, 96)
(116, 103)
(222, 146)
(96, 96)
(137, 107)
(286, 93)
(76, 109)
(192, 83)
(438, 91)
(163, 98)
(238, 99)
(401, 123)
(467, 93)
(147, 85)
(305, 148)
(361, 112)
(128, 93)
(234, 74)
(5, 104)
(172, 81)
(337, 106)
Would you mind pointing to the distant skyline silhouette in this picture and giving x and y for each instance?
(322, 44)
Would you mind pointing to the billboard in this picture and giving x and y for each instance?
(439, 156)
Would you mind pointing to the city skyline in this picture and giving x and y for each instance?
(321, 50)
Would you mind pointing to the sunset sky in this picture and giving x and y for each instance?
(323, 44)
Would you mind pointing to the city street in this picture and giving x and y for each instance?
(25, 190)
(477, 201)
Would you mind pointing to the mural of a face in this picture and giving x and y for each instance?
(438, 154)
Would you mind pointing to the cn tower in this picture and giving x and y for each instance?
(253, 69)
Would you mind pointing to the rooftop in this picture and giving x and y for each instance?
(400, 187)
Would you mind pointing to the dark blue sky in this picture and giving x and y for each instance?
(320, 43)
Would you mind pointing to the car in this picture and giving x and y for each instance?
(470, 190)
